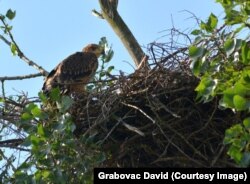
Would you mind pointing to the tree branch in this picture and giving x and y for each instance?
(21, 77)
(110, 13)
(19, 52)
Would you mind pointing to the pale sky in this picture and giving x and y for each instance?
(47, 31)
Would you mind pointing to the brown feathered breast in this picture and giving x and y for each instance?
(73, 73)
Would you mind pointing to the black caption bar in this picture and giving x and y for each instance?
(168, 175)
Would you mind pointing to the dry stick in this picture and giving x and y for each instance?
(110, 13)
(11, 142)
(20, 53)
(6, 158)
(21, 77)
(140, 110)
(176, 133)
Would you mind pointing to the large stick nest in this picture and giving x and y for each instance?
(151, 119)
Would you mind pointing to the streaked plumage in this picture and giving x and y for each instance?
(74, 72)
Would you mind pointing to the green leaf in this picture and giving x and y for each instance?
(196, 67)
(65, 103)
(29, 107)
(246, 122)
(26, 116)
(206, 88)
(196, 52)
(103, 41)
(246, 77)
(42, 97)
(10, 14)
(13, 49)
(35, 140)
(40, 130)
(212, 22)
(109, 56)
(241, 89)
(110, 68)
(25, 166)
(102, 73)
(196, 32)
(36, 112)
(245, 54)
(240, 102)
(55, 94)
(229, 46)
(232, 133)
(45, 173)
(233, 16)
(235, 153)
(227, 101)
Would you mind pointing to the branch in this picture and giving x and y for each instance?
(5, 40)
(110, 13)
(11, 142)
(20, 53)
(21, 77)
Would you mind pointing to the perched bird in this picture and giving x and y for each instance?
(74, 72)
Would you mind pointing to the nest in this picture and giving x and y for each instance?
(151, 119)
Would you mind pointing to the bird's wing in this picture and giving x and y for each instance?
(51, 81)
(78, 67)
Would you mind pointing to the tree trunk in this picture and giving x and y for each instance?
(110, 13)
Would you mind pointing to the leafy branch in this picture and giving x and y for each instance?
(221, 59)
(15, 49)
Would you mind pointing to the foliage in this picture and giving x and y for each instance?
(220, 58)
(56, 156)
(50, 151)
(103, 74)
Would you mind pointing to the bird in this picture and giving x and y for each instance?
(74, 72)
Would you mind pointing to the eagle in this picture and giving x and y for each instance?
(74, 72)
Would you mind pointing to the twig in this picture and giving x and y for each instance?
(4, 97)
(11, 141)
(133, 129)
(5, 158)
(137, 108)
(217, 156)
(3, 91)
(21, 77)
(20, 53)
(113, 128)
(5, 40)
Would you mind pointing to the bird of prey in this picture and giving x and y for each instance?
(74, 72)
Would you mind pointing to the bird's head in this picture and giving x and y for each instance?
(94, 48)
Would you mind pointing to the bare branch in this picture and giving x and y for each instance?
(12, 142)
(21, 77)
(110, 13)
(20, 53)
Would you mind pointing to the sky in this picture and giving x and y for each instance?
(47, 31)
